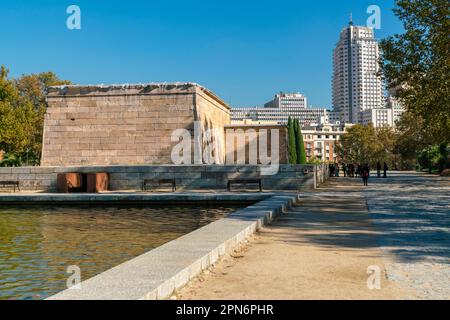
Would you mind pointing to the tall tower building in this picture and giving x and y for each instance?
(356, 85)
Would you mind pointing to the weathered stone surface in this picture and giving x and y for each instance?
(187, 177)
(126, 125)
(258, 129)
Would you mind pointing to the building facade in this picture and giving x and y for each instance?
(320, 141)
(242, 138)
(288, 101)
(397, 108)
(387, 116)
(278, 115)
(378, 117)
(130, 124)
(278, 111)
(356, 84)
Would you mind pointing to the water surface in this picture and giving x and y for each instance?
(38, 243)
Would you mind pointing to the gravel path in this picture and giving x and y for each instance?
(411, 213)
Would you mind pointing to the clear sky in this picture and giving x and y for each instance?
(245, 51)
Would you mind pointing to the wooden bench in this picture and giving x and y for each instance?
(13, 184)
(244, 182)
(147, 184)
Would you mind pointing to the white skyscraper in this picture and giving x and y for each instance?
(356, 85)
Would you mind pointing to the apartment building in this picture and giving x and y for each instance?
(357, 85)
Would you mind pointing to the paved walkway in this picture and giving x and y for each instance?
(412, 214)
(322, 248)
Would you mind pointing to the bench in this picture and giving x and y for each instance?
(147, 184)
(244, 182)
(13, 184)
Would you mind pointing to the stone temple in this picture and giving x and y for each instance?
(127, 124)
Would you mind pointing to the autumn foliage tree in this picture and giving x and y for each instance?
(366, 144)
(417, 65)
(22, 110)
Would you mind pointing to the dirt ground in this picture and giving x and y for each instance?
(321, 249)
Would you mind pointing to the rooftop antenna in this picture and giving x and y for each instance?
(351, 18)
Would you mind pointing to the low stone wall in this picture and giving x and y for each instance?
(31, 178)
(191, 177)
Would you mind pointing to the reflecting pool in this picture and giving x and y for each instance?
(39, 243)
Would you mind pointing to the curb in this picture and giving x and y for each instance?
(155, 275)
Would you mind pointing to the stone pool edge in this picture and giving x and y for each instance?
(155, 275)
(131, 197)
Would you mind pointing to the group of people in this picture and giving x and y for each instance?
(357, 170)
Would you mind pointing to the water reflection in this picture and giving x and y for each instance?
(37, 244)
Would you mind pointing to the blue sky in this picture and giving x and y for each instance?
(244, 51)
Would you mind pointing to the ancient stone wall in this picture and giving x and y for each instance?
(129, 124)
(213, 116)
(253, 133)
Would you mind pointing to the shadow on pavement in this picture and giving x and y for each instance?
(406, 215)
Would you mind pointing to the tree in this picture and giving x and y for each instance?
(429, 158)
(34, 88)
(292, 143)
(409, 140)
(300, 146)
(22, 110)
(443, 162)
(15, 116)
(10, 160)
(384, 146)
(8, 92)
(366, 144)
(417, 65)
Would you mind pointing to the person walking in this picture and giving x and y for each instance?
(337, 169)
(385, 169)
(344, 168)
(378, 169)
(365, 172)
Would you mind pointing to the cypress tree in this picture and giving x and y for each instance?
(292, 144)
(297, 143)
(300, 146)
